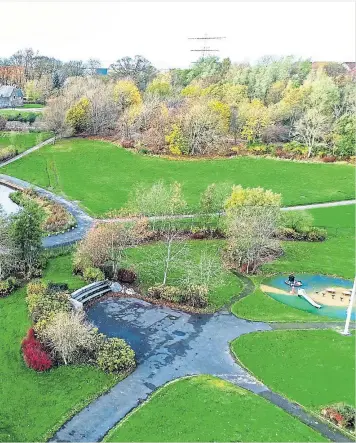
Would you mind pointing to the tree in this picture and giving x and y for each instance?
(138, 69)
(161, 200)
(344, 136)
(54, 117)
(254, 118)
(160, 86)
(78, 115)
(56, 80)
(26, 235)
(202, 128)
(104, 246)
(311, 129)
(126, 94)
(8, 251)
(251, 224)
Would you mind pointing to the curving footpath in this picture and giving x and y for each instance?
(84, 221)
(170, 344)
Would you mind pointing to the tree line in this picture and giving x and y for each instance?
(281, 106)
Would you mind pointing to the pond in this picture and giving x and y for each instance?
(5, 202)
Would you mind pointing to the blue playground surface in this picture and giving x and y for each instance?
(311, 283)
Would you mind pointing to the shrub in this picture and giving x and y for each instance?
(316, 234)
(34, 355)
(7, 153)
(71, 338)
(341, 414)
(126, 275)
(195, 295)
(57, 287)
(126, 143)
(2, 123)
(7, 286)
(42, 302)
(115, 355)
(165, 292)
(329, 159)
(92, 274)
(299, 221)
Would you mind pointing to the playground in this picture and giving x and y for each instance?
(318, 294)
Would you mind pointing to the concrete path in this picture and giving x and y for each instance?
(169, 344)
(23, 154)
(84, 221)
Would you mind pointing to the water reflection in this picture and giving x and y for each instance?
(5, 202)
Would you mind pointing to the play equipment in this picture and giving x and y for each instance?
(296, 284)
(303, 294)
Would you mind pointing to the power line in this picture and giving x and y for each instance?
(205, 49)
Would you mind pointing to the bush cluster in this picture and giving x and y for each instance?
(342, 415)
(126, 275)
(24, 117)
(298, 225)
(69, 337)
(311, 235)
(91, 274)
(34, 354)
(7, 286)
(115, 355)
(43, 302)
(7, 153)
(191, 295)
(56, 218)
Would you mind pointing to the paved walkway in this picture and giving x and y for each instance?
(169, 344)
(23, 154)
(84, 221)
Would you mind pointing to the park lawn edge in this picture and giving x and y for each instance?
(140, 405)
(310, 411)
(82, 404)
(136, 409)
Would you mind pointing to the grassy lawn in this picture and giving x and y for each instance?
(313, 368)
(35, 404)
(335, 256)
(10, 114)
(36, 105)
(207, 408)
(22, 140)
(148, 261)
(103, 181)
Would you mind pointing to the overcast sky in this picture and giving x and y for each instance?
(323, 31)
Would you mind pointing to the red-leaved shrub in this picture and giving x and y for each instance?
(33, 353)
(329, 159)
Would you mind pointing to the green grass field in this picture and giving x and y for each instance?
(148, 261)
(313, 368)
(35, 404)
(22, 140)
(207, 408)
(22, 115)
(335, 256)
(35, 105)
(100, 175)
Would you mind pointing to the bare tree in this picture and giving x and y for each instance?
(312, 128)
(138, 69)
(251, 236)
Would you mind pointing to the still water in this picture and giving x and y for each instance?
(5, 202)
